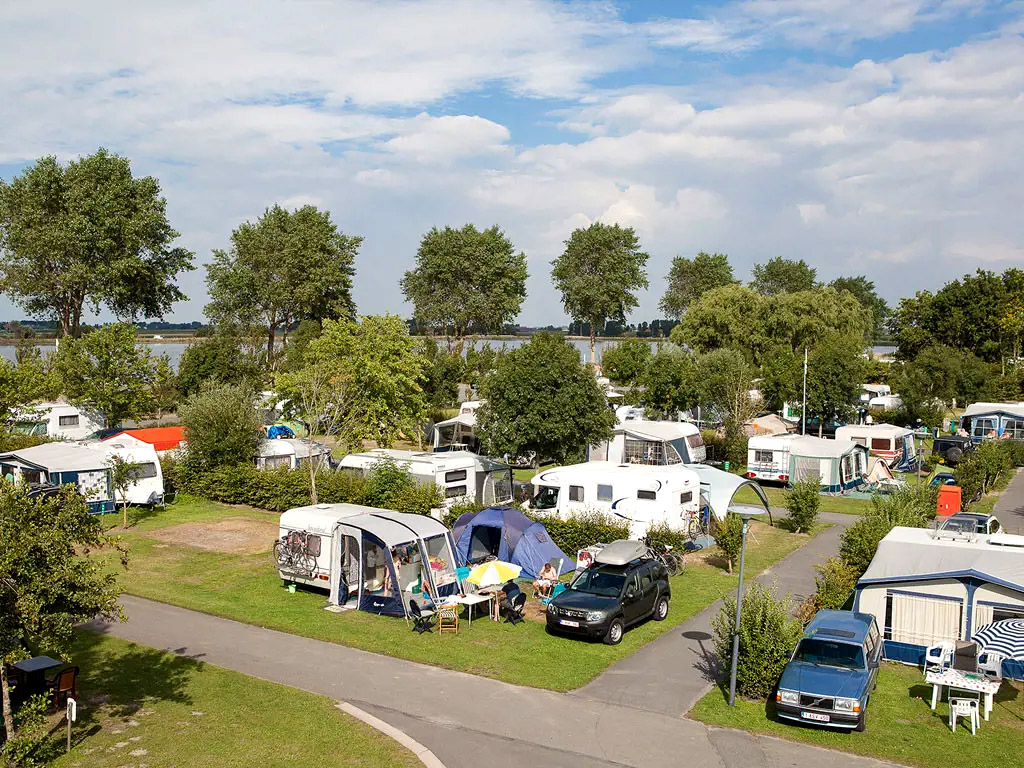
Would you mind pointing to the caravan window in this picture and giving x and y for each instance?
(881, 444)
(313, 545)
(982, 427)
(441, 566)
(68, 421)
(763, 457)
(1014, 428)
(144, 471)
(455, 476)
(455, 490)
(605, 493)
(647, 495)
(686, 498)
(575, 493)
(546, 498)
(860, 441)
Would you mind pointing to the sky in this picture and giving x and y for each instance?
(875, 137)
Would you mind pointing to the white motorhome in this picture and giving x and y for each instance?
(655, 443)
(148, 487)
(644, 495)
(61, 420)
(460, 474)
(289, 452)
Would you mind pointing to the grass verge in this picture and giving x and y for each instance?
(245, 587)
(140, 706)
(901, 727)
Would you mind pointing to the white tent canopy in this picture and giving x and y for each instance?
(718, 488)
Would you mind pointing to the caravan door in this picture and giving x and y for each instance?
(344, 568)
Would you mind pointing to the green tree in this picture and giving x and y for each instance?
(466, 281)
(285, 267)
(782, 372)
(908, 507)
(864, 291)
(598, 273)
(668, 385)
(724, 380)
(107, 373)
(50, 579)
(835, 372)
(941, 374)
(442, 373)
(627, 361)
(689, 279)
(729, 538)
(222, 426)
(123, 473)
(374, 378)
(541, 399)
(164, 386)
(229, 356)
(88, 234)
(22, 382)
(783, 276)
(803, 502)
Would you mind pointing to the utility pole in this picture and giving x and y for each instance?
(803, 410)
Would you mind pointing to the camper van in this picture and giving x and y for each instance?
(643, 495)
(460, 474)
(59, 420)
(372, 559)
(655, 443)
(894, 445)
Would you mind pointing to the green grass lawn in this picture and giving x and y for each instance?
(777, 498)
(901, 727)
(139, 706)
(245, 587)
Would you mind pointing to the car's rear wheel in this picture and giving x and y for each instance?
(661, 609)
(614, 634)
(862, 721)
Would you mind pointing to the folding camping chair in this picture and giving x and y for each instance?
(448, 619)
(422, 621)
(514, 609)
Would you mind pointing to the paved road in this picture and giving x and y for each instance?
(1010, 506)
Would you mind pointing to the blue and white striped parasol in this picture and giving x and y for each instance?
(1005, 637)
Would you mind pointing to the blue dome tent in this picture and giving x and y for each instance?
(509, 535)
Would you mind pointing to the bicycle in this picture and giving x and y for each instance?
(292, 555)
(674, 562)
(699, 525)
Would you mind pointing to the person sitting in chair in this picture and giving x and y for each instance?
(546, 581)
(510, 590)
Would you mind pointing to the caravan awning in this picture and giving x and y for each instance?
(720, 487)
(421, 525)
(60, 457)
(914, 554)
(465, 419)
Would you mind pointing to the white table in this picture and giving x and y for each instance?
(469, 600)
(958, 679)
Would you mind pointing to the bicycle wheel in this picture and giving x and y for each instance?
(680, 559)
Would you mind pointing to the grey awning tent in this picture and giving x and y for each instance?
(718, 488)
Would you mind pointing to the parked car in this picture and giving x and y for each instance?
(967, 522)
(942, 478)
(833, 671)
(949, 449)
(623, 587)
(828, 429)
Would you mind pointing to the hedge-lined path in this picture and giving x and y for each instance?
(672, 673)
(1009, 508)
(464, 719)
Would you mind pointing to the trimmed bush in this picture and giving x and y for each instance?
(661, 535)
(582, 530)
(907, 507)
(834, 583)
(729, 538)
(768, 634)
(803, 503)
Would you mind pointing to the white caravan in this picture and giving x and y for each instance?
(148, 487)
(641, 494)
(768, 457)
(55, 420)
(459, 432)
(655, 443)
(460, 474)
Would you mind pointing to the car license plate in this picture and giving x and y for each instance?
(815, 716)
(568, 623)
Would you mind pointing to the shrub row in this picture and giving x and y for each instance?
(580, 531)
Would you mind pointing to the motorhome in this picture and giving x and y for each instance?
(641, 494)
(59, 420)
(289, 452)
(894, 445)
(985, 421)
(654, 443)
(460, 474)
(869, 391)
(372, 559)
(459, 432)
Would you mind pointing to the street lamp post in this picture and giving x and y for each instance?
(745, 513)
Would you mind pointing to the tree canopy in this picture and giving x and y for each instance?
(597, 274)
(226, 357)
(88, 234)
(689, 279)
(668, 383)
(783, 276)
(864, 291)
(285, 267)
(466, 281)
(835, 372)
(222, 425)
(542, 400)
(627, 361)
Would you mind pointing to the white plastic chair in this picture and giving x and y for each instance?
(964, 708)
(990, 664)
(939, 656)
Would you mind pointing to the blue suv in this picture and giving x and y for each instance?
(833, 671)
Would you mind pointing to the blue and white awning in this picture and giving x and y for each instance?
(1005, 637)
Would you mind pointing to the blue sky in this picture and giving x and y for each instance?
(879, 137)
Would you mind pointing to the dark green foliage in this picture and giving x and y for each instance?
(729, 538)
(941, 373)
(225, 357)
(542, 399)
(668, 383)
(986, 468)
(907, 507)
(579, 531)
(442, 373)
(661, 536)
(835, 372)
(627, 361)
(689, 279)
(834, 583)
(783, 276)
(768, 635)
(389, 486)
(458, 510)
(864, 291)
(803, 502)
(782, 372)
(222, 426)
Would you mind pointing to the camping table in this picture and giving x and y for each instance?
(473, 598)
(963, 681)
(33, 674)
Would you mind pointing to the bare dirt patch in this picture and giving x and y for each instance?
(232, 535)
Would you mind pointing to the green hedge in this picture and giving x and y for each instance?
(579, 531)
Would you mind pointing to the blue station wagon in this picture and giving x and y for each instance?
(833, 671)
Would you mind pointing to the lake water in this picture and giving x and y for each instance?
(173, 350)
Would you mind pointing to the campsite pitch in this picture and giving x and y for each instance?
(245, 587)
